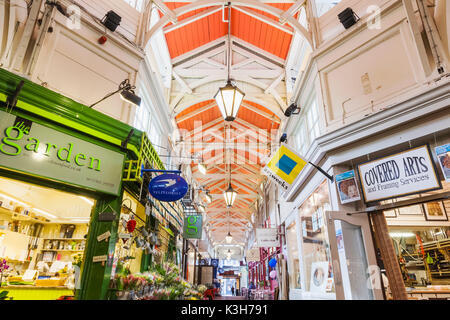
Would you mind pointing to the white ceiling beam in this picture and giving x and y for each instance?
(291, 11)
(169, 13)
(271, 117)
(260, 131)
(255, 73)
(186, 58)
(215, 63)
(191, 19)
(275, 83)
(196, 112)
(174, 102)
(183, 84)
(264, 19)
(272, 60)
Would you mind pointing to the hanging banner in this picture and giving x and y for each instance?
(409, 172)
(192, 228)
(168, 187)
(443, 155)
(267, 238)
(347, 187)
(284, 167)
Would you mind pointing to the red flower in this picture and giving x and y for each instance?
(131, 225)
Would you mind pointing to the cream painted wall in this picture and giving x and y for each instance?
(73, 63)
(364, 70)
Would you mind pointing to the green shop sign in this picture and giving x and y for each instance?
(38, 150)
(192, 228)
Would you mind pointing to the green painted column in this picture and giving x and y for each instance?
(95, 277)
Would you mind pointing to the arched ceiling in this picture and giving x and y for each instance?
(198, 43)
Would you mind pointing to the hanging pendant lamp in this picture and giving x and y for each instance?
(229, 98)
(230, 195)
(229, 237)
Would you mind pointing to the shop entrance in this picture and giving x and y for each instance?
(227, 285)
(353, 256)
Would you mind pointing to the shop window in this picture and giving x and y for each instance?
(42, 238)
(145, 120)
(137, 4)
(293, 258)
(308, 128)
(323, 6)
(316, 247)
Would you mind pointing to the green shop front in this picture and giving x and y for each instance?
(70, 184)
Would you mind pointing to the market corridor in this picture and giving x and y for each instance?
(248, 149)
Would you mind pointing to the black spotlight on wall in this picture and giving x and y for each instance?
(126, 93)
(292, 109)
(111, 20)
(283, 138)
(348, 18)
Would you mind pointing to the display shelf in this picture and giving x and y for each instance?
(21, 217)
(66, 239)
(15, 260)
(61, 250)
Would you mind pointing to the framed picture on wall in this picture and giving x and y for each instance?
(435, 211)
(416, 210)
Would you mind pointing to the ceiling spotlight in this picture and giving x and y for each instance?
(292, 109)
(283, 138)
(131, 97)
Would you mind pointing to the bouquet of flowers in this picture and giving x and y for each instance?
(3, 267)
(77, 259)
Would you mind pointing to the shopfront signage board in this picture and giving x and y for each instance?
(405, 173)
(267, 238)
(192, 228)
(284, 167)
(443, 155)
(41, 151)
(168, 187)
(253, 255)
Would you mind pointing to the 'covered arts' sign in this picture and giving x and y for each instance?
(401, 174)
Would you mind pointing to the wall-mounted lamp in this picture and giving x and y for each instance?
(126, 93)
(283, 138)
(292, 109)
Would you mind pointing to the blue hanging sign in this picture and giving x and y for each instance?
(168, 187)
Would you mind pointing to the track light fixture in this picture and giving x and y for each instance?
(292, 109)
(126, 93)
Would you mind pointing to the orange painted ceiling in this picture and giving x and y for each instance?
(210, 28)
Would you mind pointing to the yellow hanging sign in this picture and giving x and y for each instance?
(284, 167)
